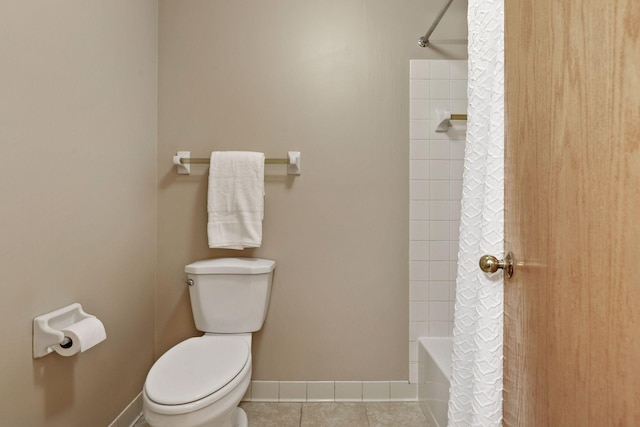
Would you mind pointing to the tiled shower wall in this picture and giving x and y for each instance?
(436, 165)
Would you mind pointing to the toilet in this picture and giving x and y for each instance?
(200, 381)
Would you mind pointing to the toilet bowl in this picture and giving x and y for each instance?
(200, 381)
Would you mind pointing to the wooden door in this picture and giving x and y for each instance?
(572, 309)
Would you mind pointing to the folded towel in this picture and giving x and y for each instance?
(235, 199)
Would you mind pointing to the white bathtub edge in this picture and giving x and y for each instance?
(434, 373)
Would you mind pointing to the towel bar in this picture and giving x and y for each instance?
(183, 162)
(205, 161)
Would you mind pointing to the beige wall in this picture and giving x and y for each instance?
(78, 138)
(330, 79)
(77, 201)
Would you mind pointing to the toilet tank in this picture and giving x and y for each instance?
(230, 295)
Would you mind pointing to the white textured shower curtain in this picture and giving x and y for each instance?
(476, 381)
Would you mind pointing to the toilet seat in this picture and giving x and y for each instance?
(196, 368)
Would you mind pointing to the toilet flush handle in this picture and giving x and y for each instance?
(190, 282)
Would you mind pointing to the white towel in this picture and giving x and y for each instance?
(235, 199)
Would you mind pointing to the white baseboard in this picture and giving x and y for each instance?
(130, 415)
(331, 391)
(303, 391)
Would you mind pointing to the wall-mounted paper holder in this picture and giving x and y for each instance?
(183, 161)
(47, 328)
(443, 119)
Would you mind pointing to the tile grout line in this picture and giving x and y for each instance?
(366, 414)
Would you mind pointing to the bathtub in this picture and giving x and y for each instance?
(434, 373)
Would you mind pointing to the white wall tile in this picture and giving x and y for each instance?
(439, 69)
(439, 250)
(418, 210)
(458, 90)
(375, 391)
(419, 108)
(439, 169)
(455, 186)
(419, 250)
(459, 106)
(438, 104)
(457, 130)
(453, 249)
(439, 311)
(440, 329)
(439, 230)
(439, 210)
(320, 391)
(458, 70)
(436, 170)
(454, 230)
(439, 190)
(454, 210)
(293, 391)
(419, 230)
(439, 290)
(456, 168)
(413, 372)
(419, 270)
(402, 391)
(413, 351)
(439, 150)
(453, 270)
(439, 89)
(418, 329)
(439, 270)
(419, 189)
(419, 129)
(419, 68)
(419, 290)
(265, 391)
(441, 136)
(348, 391)
(419, 311)
(419, 149)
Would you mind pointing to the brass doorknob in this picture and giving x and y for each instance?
(491, 264)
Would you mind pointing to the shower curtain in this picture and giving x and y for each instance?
(476, 381)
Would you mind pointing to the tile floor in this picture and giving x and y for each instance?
(330, 414)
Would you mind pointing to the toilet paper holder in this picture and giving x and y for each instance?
(47, 328)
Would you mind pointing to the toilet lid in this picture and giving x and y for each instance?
(196, 368)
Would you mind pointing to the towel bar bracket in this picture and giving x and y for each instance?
(293, 167)
(182, 162)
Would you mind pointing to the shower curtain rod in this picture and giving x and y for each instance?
(424, 40)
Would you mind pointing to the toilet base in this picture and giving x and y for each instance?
(239, 418)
